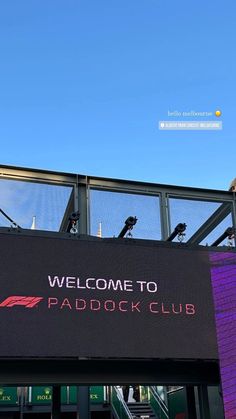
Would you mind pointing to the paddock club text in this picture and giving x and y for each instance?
(112, 305)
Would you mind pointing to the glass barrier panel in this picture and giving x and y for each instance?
(191, 212)
(33, 205)
(109, 211)
(218, 231)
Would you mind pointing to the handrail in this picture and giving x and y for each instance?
(157, 395)
(161, 404)
(114, 390)
(175, 390)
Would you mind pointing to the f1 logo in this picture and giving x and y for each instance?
(16, 300)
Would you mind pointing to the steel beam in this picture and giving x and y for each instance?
(38, 176)
(100, 372)
(126, 186)
(212, 222)
(164, 216)
(83, 207)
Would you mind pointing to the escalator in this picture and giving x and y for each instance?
(150, 407)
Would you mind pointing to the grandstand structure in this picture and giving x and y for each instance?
(166, 241)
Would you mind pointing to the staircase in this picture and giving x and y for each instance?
(140, 410)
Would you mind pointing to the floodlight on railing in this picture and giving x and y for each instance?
(14, 224)
(178, 231)
(228, 234)
(73, 219)
(129, 224)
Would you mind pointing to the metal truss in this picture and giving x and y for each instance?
(82, 184)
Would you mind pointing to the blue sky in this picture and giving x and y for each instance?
(84, 83)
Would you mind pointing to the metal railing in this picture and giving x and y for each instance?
(157, 404)
(119, 407)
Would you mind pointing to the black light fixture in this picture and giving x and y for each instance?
(228, 233)
(129, 224)
(73, 218)
(15, 225)
(178, 231)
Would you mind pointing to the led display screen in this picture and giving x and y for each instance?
(223, 271)
(104, 299)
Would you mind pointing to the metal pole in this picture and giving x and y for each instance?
(56, 402)
(82, 201)
(9, 219)
(203, 402)
(164, 215)
(83, 402)
(191, 404)
(21, 402)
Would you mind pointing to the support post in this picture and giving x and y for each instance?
(164, 215)
(191, 403)
(83, 402)
(56, 402)
(22, 402)
(82, 201)
(203, 402)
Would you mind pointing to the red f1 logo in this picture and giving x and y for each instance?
(16, 300)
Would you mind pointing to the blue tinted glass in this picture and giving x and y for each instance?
(109, 210)
(30, 203)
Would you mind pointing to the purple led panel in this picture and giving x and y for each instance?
(223, 275)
